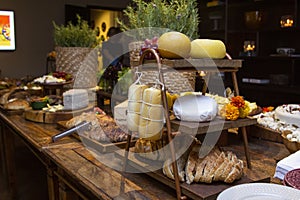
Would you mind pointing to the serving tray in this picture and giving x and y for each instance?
(201, 191)
(102, 147)
(53, 117)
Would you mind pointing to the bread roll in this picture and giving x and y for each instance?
(17, 104)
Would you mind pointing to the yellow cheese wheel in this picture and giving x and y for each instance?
(207, 48)
(174, 45)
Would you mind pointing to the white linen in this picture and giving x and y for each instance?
(287, 164)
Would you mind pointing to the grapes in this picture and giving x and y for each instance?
(63, 75)
(148, 44)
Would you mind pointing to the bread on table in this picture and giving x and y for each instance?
(217, 165)
(17, 104)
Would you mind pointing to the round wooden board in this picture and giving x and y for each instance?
(53, 117)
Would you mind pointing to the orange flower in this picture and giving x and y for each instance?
(238, 101)
(230, 112)
(267, 109)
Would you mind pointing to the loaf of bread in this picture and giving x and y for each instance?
(102, 127)
(17, 104)
(135, 98)
(215, 166)
(152, 116)
(150, 149)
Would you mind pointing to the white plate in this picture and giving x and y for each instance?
(259, 191)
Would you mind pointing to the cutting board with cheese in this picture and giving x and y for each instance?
(53, 117)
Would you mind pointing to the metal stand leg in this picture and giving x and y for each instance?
(244, 132)
(127, 151)
(246, 147)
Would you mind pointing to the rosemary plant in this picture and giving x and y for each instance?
(175, 15)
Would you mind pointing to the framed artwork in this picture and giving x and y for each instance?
(7, 30)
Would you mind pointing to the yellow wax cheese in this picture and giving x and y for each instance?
(207, 48)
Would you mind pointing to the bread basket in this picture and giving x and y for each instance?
(292, 146)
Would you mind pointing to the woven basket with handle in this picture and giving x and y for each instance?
(81, 62)
(176, 82)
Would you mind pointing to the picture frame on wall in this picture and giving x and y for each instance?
(7, 31)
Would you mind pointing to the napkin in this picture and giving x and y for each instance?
(287, 164)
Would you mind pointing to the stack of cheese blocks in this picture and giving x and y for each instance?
(145, 111)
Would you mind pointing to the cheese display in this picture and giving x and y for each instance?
(152, 115)
(288, 113)
(135, 98)
(75, 99)
(217, 165)
(207, 48)
(198, 108)
(174, 45)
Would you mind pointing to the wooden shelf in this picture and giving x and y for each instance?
(212, 126)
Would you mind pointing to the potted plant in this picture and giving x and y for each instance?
(76, 52)
(144, 20)
(173, 15)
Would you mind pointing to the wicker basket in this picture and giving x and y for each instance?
(175, 82)
(135, 50)
(81, 62)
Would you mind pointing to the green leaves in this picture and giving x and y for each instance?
(177, 15)
(80, 35)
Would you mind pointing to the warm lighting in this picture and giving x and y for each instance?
(249, 46)
(286, 21)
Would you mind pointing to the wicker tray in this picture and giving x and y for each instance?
(291, 146)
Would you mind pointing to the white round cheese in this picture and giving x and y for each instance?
(288, 113)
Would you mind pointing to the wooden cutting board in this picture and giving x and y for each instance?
(54, 117)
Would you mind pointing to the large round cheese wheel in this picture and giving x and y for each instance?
(174, 45)
(288, 113)
(207, 48)
(197, 108)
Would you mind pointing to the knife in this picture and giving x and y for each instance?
(65, 133)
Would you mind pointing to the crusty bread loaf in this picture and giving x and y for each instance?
(150, 149)
(17, 104)
(216, 166)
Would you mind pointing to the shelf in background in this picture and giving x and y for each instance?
(280, 89)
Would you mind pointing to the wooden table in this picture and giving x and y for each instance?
(72, 170)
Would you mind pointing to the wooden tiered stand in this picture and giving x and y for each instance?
(207, 65)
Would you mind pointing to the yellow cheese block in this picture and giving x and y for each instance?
(207, 48)
(150, 130)
(153, 112)
(135, 98)
(134, 106)
(152, 96)
(133, 120)
(135, 92)
(152, 118)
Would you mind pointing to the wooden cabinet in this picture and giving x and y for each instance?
(273, 76)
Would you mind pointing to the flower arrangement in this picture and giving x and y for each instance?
(173, 15)
(236, 108)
